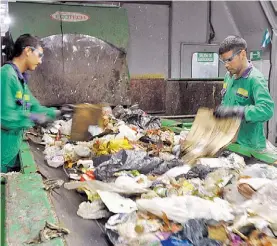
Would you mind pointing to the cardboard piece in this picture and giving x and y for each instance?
(208, 135)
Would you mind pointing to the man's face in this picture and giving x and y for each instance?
(34, 57)
(233, 61)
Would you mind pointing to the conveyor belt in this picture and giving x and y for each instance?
(83, 232)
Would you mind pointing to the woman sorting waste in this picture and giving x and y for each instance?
(20, 110)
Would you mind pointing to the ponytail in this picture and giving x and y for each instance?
(16, 49)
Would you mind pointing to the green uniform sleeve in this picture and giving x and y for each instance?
(263, 107)
(36, 107)
(223, 91)
(12, 117)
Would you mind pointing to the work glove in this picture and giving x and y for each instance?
(67, 109)
(40, 119)
(229, 112)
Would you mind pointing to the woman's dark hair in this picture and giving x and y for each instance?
(24, 41)
(234, 43)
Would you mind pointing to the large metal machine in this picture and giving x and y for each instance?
(85, 52)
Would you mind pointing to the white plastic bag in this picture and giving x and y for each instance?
(176, 171)
(261, 171)
(256, 183)
(264, 203)
(66, 127)
(82, 151)
(51, 151)
(55, 161)
(47, 139)
(126, 182)
(68, 152)
(183, 208)
(233, 161)
(95, 130)
(102, 186)
(116, 203)
(126, 132)
(92, 210)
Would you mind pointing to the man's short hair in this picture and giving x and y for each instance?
(234, 43)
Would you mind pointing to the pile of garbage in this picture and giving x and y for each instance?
(132, 174)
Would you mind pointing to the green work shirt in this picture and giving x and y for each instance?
(17, 102)
(250, 91)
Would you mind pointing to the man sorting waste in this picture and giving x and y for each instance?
(20, 110)
(245, 94)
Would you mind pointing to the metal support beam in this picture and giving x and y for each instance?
(272, 19)
(272, 125)
(269, 13)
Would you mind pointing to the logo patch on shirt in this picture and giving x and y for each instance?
(224, 85)
(26, 97)
(242, 92)
(18, 95)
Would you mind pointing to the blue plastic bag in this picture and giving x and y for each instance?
(174, 241)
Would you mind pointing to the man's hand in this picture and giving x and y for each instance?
(40, 119)
(229, 112)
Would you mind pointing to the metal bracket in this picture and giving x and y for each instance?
(272, 19)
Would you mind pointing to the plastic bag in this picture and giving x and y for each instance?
(110, 147)
(69, 153)
(137, 117)
(95, 130)
(218, 179)
(255, 183)
(47, 139)
(66, 127)
(231, 194)
(233, 161)
(55, 161)
(95, 185)
(166, 156)
(92, 210)
(177, 171)
(183, 208)
(82, 151)
(138, 232)
(268, 209)
(261, 171)
(132, 160)
(194, 230)
(51, 151)
(115, 220)
(116, 203)
(173, 241)
(198, 171)
(127, 182)
(126, 132)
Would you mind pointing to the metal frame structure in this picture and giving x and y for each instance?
(268, 9)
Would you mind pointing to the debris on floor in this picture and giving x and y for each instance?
(49, 232)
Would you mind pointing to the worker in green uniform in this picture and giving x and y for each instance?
(245, 94)
(20, 110)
